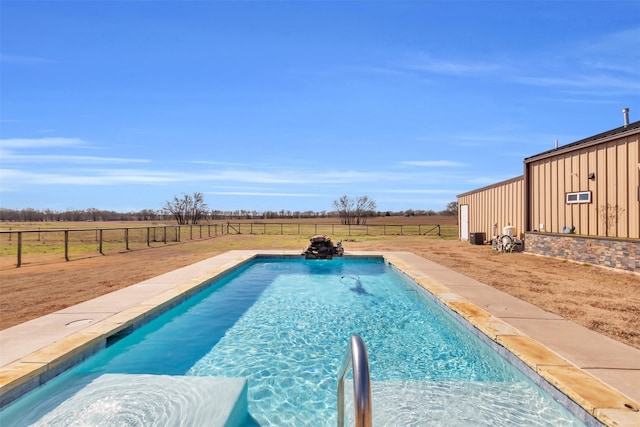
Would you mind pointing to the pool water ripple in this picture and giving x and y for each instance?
(301, 325)
(284, 326)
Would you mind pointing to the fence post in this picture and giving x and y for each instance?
(281, 229)
(298, 229)
(165, 234)
(251, 228)
(126, 238)
(66, 245)
(384, 230)
(209, 229)
(100, 244)
(419, 232)
(201, 231)
(148, 236)
(19, 248)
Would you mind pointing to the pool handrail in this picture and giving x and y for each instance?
(356, 356)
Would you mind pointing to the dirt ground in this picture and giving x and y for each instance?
(603, 300)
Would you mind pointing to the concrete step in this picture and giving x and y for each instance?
(458, 403)
(153, 400)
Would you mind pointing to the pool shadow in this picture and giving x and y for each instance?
(357, 288)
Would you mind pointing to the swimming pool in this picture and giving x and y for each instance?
(284, 324)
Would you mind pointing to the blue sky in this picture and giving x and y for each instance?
(271, 105)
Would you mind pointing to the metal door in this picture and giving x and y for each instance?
(464, 222)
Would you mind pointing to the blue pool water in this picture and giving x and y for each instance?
(284, 324)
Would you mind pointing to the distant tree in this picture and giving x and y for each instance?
(187, 209)
(93, 214)
(452, 209)
(146, 215)
(73, 215)
(354, 211)
(365, 208)
(344, 207)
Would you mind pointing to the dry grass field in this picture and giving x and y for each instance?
(603, 300)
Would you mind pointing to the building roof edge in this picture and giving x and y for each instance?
(497, 184)
(631, 128)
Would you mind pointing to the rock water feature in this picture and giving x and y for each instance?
(321, 247)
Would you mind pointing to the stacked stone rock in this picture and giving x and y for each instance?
(321, 247)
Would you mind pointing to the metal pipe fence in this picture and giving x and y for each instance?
(69, 240)
(341, 229)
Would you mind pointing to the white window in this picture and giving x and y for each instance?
(579, 197)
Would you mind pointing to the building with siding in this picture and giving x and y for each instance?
(587, 191)
(592, 185)
(489, 209)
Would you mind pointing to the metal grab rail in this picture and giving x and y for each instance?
(356, 355)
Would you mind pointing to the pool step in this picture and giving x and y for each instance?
(455, 403)
(126, 399)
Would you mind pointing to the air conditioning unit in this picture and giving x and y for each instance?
(477, 238)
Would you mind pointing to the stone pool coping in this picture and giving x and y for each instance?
(576, 365)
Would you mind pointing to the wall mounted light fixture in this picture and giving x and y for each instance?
(592, 176)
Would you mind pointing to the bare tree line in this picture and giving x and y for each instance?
(90, 214)
(349, 210)
(354, 211)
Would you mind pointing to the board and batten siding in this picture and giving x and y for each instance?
(614, 210)
(500, 204)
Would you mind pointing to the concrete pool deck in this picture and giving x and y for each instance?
(599, 374)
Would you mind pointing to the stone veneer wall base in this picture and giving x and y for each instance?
(621, 254)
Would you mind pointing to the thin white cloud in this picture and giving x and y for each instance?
(600, 64)
(23, 59)
(138, 176)
(416, 203)
(7, 157)
(214, 163)
(9, 147)
(121, 176)
(577, 99)
(424, 62)
(42, 142)
(418, 191)
(488, 180)
(434, 163)
(584, 81)
(619, 44)
(17, 177)
(607, 66)
(265, 194)
(301, 177)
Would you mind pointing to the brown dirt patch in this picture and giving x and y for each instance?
(603, 300)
